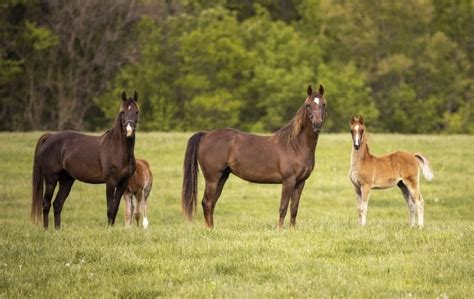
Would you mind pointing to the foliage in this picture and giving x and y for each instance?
(206, 64)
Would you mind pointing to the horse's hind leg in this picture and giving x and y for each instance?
(146, 192)
(50, 185)
(65, 185)
(211, 195)
(295, 200)
(413, 188)
(410, 203)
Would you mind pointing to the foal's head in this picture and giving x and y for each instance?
(129, 114)
(357, 130)
(316, 106)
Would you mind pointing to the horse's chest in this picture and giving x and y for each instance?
(307, 169)
(354, 176)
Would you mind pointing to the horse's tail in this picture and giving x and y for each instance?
(190, 176)
(425, 166)
(38, 182)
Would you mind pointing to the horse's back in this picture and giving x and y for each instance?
(251, 157)
(75, 153)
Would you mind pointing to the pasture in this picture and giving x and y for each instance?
(326, 255)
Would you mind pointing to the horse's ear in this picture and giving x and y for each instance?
(135, 96)
(124, 96)
(353, 119)
(321, 89)
(309, 91)
(361, 119)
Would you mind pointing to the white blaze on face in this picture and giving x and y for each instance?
(316, 100)
(357, 137)
(129, 130)
(129, 107)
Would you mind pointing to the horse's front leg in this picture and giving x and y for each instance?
(363, 203)
(119, 190)
(295, 201)
(288, 187)
(109, 191)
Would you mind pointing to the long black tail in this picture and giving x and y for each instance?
(190, 176)
(38, 182)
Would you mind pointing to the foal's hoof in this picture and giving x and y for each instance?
(145, 223)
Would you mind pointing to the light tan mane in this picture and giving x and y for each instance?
(293, 128)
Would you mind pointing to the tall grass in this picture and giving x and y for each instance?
(326, 255)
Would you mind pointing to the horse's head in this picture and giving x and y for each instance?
(357, 130)
(316, 106)
(129, 114)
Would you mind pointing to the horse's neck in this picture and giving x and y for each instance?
(308, 138)
(121, 144)
(358, 156)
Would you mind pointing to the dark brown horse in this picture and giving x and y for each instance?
(68, 156)
(286, 157)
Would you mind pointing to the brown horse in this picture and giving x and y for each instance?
(68, 156)
(396, 169)
(286, 157)
(139, 186)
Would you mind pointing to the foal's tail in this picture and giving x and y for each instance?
(190, 176)
(425, 167)
(38, 178)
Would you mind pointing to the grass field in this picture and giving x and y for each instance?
(326, 255)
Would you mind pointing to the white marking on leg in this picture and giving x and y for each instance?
(145, 222)
(316, 100)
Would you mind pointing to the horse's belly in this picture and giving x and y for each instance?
(385, 183)
(258, 177)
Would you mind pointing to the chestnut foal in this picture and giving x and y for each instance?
(399, 168)
(139, 186)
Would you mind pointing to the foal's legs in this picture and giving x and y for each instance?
(410, 203)
(362, 194)
(65, 185)
(146, 192)
(413, 188)
(139, 209)
(128, 196)
(50, 185)
(211, 195)
(288, 187)
(295, 200)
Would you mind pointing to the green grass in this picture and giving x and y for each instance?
(326, 255)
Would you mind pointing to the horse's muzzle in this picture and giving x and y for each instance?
(130, 128)
(317, 127)
(356, 147)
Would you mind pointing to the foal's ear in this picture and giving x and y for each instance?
(309, 91)
(124, 96)
(361, 119)
(321, 89)
(353, 119)
(135, 96)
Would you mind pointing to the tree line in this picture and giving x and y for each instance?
(407, 66)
